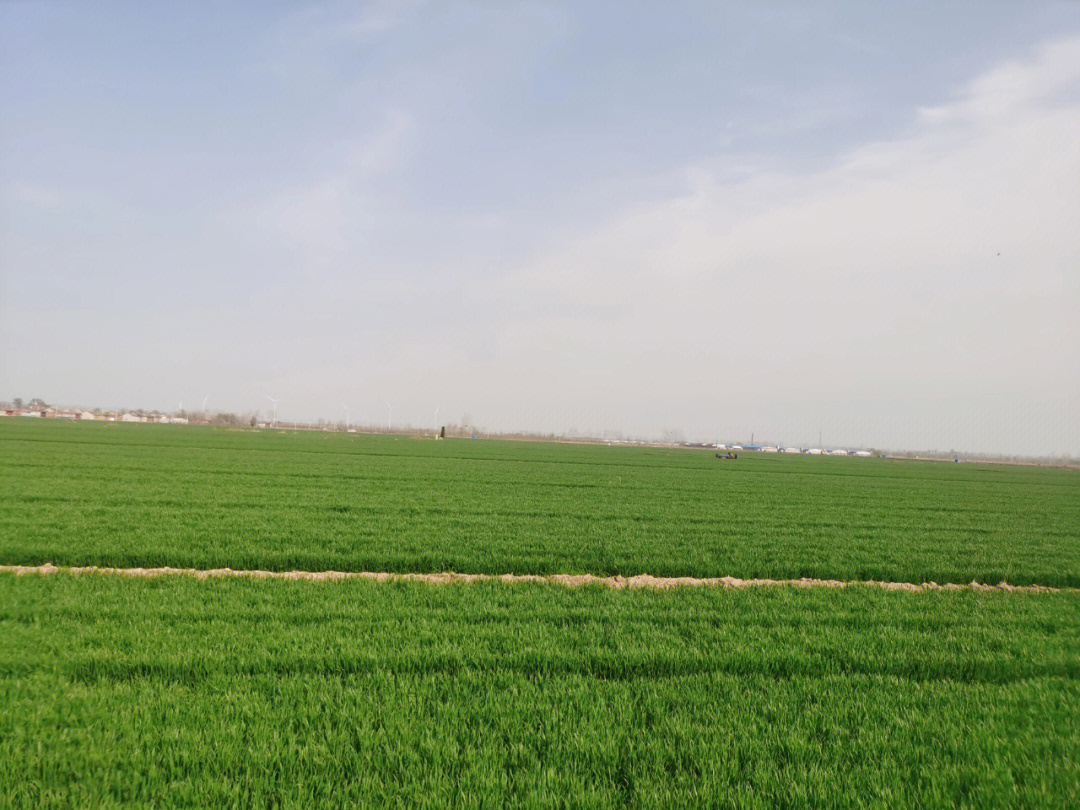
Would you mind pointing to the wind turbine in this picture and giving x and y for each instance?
(436, 420)
(273, 419)
(346, 407)
(204, 402)
(389, 416)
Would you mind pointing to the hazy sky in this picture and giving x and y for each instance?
(712, 218)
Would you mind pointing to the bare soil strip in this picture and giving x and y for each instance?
(568, 580)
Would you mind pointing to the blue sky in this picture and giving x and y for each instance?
(709, 218)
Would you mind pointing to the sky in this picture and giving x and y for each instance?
(853, 220)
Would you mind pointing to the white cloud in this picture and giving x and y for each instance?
(35, 195)
(1015, 84)
(880, 276)
(303, 42)
(380, 153)
(321, 217)
(311, 216)
(379, 17)
(866, 299)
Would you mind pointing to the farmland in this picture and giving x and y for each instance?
(147, 495)
(256, 693)
(177, 691)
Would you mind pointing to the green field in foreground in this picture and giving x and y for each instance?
(116, 494)
(259, 693)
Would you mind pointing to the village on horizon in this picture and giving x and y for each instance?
(39, 409)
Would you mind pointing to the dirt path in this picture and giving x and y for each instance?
(569, 580)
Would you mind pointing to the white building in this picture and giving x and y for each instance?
(814, 451)
(791, 450)
(862, 453)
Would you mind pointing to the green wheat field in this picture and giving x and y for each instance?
(175, 691)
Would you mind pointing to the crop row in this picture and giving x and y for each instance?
(178, 691)
(121, 495)
(127, 495)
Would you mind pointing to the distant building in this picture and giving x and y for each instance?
(791, 450)
(814, 451)
(862, 453)
(131, 417)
